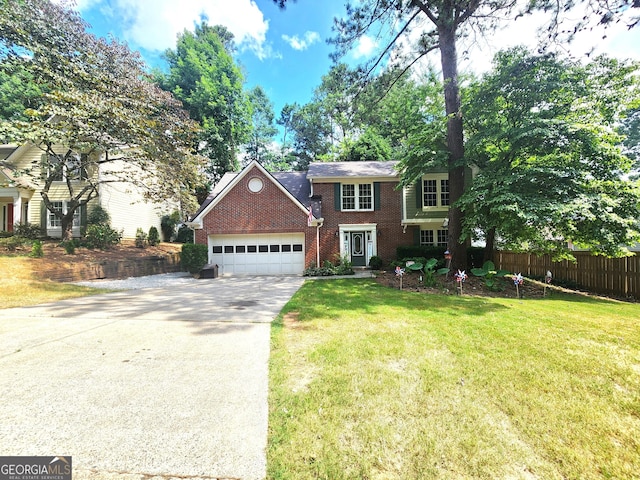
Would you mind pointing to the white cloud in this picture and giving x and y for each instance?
(298, 43)
(365, 46)
(155, 24)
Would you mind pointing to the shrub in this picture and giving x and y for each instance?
(13, 242)
(375, 263)
(36, 249)
(98, 216)
(424, 251)
(342, 267)
(141, 238)
(101, 236)
(185, 235)
(28, 230)
(168, 224)
(69, 246)
(194, 257)
(154, 237)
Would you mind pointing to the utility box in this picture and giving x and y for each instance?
(209, 271)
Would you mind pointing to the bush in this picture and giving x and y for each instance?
(13, 242)
(154, 237)
(98, 216)
(141, 238)
(28, 230)
(69, 246)
(101, 236)
(185, 235)
(168, 224)
(375, 263)
(194, 257)
(342, 267)
(424, 251)
(36, 249)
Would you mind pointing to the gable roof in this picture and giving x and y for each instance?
(328, 170)
(292, 184)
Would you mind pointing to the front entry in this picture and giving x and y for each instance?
(358, 249)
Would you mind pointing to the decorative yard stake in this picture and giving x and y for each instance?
(461, 276)
(518, 280)
(547, 281)
(400, 273)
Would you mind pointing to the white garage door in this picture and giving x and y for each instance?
(258, 254)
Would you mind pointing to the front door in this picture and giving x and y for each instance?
(358, 249)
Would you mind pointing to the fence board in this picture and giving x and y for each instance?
(609, 276)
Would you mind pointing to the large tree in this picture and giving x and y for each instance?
(263, 129)
(541, 131)
(101, 111)
(205, 77)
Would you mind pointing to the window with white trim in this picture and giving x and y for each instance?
(72, 167)
(357, 196)
(54, 222)
(439, 238)
(435, 191)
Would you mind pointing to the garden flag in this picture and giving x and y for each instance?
(310, 217)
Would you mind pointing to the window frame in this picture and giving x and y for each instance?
(73, 169)
(440, 195)
(358, 197)
(55, 222)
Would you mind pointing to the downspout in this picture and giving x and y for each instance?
(318, 243)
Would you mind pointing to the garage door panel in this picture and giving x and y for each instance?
(258, 254)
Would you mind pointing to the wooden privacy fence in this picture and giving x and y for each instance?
(609, 276)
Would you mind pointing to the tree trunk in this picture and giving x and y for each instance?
(67, 227)
(490, 239)
(455, 141)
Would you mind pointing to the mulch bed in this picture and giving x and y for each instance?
(472, 286)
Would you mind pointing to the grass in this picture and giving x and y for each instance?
(373, 383)
(19, 286)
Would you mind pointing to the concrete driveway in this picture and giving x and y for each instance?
(154, 383)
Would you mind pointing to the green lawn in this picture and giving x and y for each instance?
(369, 382)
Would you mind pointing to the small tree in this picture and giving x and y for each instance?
(154, 237)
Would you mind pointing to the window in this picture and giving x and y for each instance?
(217, 249)
(426, 237)
(72, 166)
(228, 249)
(54, 222)
(357, 196)
(443, 238)
(435, 191)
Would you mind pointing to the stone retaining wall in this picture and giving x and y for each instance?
(135, 267)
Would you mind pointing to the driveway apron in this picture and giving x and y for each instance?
(153, 383)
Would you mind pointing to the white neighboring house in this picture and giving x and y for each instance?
(21, 203)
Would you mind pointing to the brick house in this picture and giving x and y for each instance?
(256, 222)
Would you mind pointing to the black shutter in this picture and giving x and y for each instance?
(416, 235)
(419, 194)
(376, 195)
(336, 196)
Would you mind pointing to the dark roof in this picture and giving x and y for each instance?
(352, 169)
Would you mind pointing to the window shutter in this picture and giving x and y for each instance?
(416, 235)
(336, 196)
(376, 195)
(83, 216)
(43, 166)
(419, 194)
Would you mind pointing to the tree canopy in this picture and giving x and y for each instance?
(541, 132)
(99, 104)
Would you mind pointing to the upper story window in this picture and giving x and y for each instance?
(435, 191)
(357, 196)
(63, 167)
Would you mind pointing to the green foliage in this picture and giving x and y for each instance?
(491, 275)
(69, 246)
(263, 128)
(36, 249)
(141, 238)
(102, 237)
(426, 251)
(19, 90)
(28, 230)
(154, 237)
(375, 262)
(541, 129)
(185, 235)
(205, 77)
(168, 224)
(98, 216)
(13, 243)
(370, 146)
(342, 266)
(428, 270)
(194, 257)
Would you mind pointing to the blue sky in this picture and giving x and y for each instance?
(285, 51)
